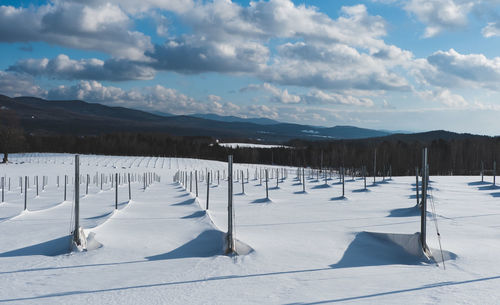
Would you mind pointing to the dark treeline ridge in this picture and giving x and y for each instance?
(457, 156)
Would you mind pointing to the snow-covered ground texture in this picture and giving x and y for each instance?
(249, 145)
(308, 248)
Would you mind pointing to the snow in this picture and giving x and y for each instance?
(249, 145)
(296, 248)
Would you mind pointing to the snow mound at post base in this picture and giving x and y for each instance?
(87, 243)
(207, 244)
(376, 249)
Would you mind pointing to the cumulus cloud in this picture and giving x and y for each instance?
(277, 94)
(314, 50)
(322, 97)
(335, 66)
(15, 84)
(155, 98)
(445, 97)
(102, 27)
(62, 67)
(439, 15)
(491, 30)
(451, 69)
(197, 54)
(347, 52)
(314, 96)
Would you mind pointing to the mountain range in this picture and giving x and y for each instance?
(39, 116)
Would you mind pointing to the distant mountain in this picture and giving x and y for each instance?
(163, 114)
(39, 116)
(215, 117)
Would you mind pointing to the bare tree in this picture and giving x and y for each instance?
(11, 134)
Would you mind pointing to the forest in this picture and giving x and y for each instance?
(450, 156)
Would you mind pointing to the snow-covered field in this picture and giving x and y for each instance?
(250, 145)
(308, 248)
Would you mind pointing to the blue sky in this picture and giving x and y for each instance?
(386, 64)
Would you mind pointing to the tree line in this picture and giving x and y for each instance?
(446, 156)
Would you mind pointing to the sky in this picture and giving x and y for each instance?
(412, 65)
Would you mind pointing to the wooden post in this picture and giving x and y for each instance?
(36, 178)
(208, 189)
(230, 238)
(242, 183)
(343, 182)
(423, 215)
(364, 174)
(190, 181)
(416, 185)
(374, 165)
(196, 182)
(116, 191)
(76, 231)
(303, 181)
(25, 193)
(482, 171)
(3, 189)
(65, 185)
(494, 172)
(87, 186)
(129, 190)
(267, 190)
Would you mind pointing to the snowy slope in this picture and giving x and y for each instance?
(308, 248)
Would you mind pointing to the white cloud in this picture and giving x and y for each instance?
(452, 69)
(335, 66)
(103, 27)
(347, 52)
(322, 97)
(155, 98)
(62, 67)
(15, 84)
(439, 15)
(277, 94)
(445, 97)
(491, 30)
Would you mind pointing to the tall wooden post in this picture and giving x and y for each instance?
(343, 182)
(129, 190)
(242, 183)
(494, 172)
(416, 185)
(3, 189)
(191, 181)
(482, 171)
(303, 181)
(196, 182)
(267, 190)
(364, 174)
(25, 192)
(423, 216)
(116, 191)
(87, 186)
(208, 189)
(76, 231)
(36, 177)
(374, 165)
(230, 238)
(65, 186)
